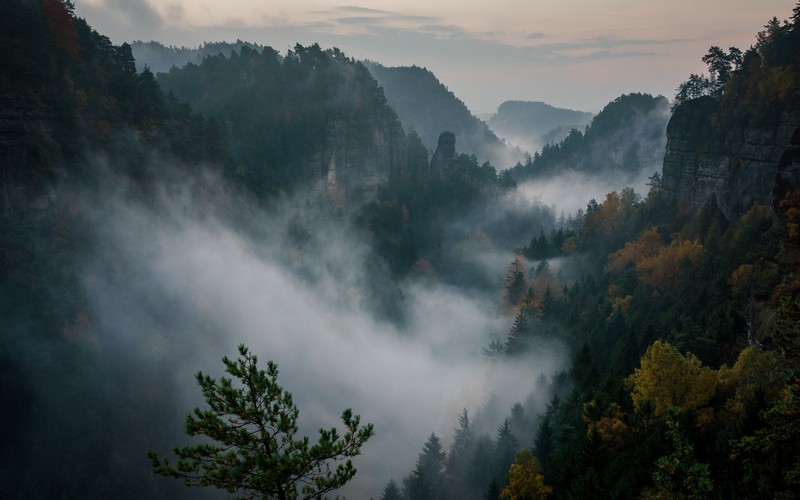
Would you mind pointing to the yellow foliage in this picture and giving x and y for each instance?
(741, 279)
(621, 304)
(659, 265)
(648, 245)
(667, 378)
(609, 424)
(525, 480)
(607, 214)
(666, 269)
(570, 244)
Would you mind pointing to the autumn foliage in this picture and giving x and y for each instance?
(662, 266)
(58, 14)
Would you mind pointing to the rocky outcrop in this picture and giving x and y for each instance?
(445, 152)
(739, 167)
(356, 157)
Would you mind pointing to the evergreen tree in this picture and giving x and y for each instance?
(427, 481)
(519, 335)
(257, 453)
(391, 491)
(457, 466)
(515, 281)
(481, 471)
(492, 491)
(544, 442)
(506, 447)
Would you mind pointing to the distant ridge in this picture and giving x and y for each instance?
(532, 124)
(427, 106)
(160, 58)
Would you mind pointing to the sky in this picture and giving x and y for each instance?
(579, 54)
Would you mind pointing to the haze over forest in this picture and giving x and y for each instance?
(574, 298)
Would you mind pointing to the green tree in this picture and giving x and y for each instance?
(545, 441)
(679, 474)
(255, 423)
(391, 491)
(457, 466)
(505, 447)
(428, 478)
(515, 281)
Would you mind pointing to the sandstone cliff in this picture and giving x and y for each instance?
(738, 165)
(355, 157)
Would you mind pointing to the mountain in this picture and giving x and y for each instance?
(161, 58)
(532, 124)
(625, 139)
(426, 106)
(312, 116)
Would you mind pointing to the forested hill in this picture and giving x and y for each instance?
(78, 123)
(296, 119)
(67, 91)
(426, 106)
(624, 140)
(532, 124)
(683, 320)
(160, 58)
(731, 129)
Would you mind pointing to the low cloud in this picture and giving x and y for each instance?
(179, 286)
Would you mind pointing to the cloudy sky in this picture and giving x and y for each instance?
(579, 54)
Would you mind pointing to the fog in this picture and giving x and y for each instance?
(179, 283)
(572, 190)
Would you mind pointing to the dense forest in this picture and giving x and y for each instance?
(645, 346)
(624, 139)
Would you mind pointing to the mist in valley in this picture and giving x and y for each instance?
(503, 319)
(179, 282)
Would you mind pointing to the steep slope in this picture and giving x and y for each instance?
(77, 123)
(312, 116)
(728, 134)
(426, 106)
(532, 124)
(624, 140)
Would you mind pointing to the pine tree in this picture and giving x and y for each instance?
(506, 447)
(391, 491)
(427, 481)
(257, 453)
(518, 335)
(544, 442)
(458, 458)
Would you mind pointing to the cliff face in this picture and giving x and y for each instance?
(739, 167)
(356, 157)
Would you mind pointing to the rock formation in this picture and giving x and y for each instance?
(737, 165)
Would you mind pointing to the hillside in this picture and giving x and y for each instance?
(426, 106)
(532, 124)
(161, 58)
(301, 118)
(728, 134)
(624, 140)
